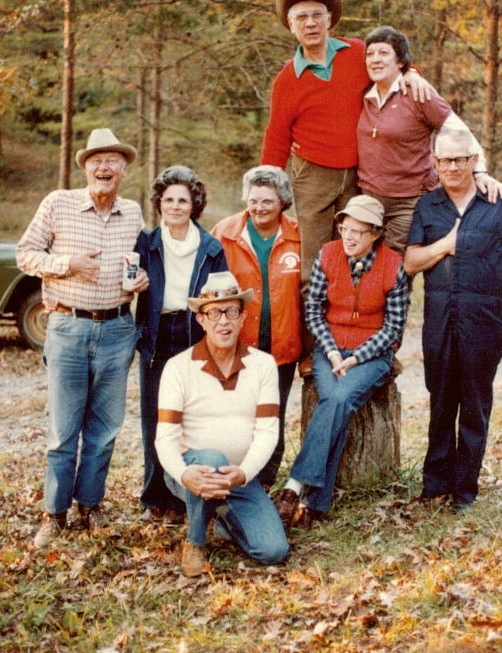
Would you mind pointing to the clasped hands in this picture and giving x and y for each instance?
(211, 483)
(340, 366)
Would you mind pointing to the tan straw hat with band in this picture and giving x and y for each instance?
(104, 140)
(220, 287)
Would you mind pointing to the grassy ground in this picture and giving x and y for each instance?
(384, 573)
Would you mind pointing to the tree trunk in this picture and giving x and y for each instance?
(372, 448)
(440, 31)
(142, 130)
(491, 83)
(65, 157)
(155, 107)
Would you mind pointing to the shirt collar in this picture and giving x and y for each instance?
(201, 352)
(366, 260)
(88, 203)
(301, 64)
(395, 88)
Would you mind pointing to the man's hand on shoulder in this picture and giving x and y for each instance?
(489, 185)
(420, 87)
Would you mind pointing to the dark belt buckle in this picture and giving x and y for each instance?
(99, 316)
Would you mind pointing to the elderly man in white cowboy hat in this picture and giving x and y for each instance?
(218, 426)
(315, 106)
(76, 242)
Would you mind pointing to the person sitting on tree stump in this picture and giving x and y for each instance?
(356, 311)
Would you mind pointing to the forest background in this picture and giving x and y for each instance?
(188, 82)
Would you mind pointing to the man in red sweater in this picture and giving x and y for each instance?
(315, 105)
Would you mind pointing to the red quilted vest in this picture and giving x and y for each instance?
(350, 328)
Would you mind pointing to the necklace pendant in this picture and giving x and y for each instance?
(374, 132)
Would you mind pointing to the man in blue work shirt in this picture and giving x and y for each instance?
(456, 240)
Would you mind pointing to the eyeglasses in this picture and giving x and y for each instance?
(345, 232)
(316, 16)
(265, 204)
(214, 314)
(459, 161)
(96, 160)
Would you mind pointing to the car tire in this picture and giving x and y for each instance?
(32, 321)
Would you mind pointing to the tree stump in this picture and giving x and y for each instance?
(372, 448)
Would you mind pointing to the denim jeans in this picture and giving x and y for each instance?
(247, 514)
(87, 366)
(317, 463)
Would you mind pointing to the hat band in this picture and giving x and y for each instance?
(217, 294)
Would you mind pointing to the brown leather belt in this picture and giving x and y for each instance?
(99, 315)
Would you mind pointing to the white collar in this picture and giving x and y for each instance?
(395, 88)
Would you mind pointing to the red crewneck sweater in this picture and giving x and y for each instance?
(317, 119)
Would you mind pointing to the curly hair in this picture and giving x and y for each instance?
(270, 176)
(186, 177)
(396, 39)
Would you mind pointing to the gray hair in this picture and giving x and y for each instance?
(457, 135)
(270, 176)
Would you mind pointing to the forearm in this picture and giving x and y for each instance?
(419, 258)
(168, 450)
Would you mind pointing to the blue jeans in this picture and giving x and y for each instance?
(247, 514)
(317, 463)
(87, 366)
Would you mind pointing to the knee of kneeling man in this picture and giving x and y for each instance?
(210, 457)
(274, 554)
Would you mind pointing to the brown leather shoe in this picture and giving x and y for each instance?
(91, 517)
(173, 517)
(305, 517)
(193, 560)
(286, 506)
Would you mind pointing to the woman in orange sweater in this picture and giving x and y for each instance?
(262, 248)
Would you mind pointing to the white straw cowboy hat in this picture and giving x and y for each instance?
(283, 6)
(104, 140)
(364, 208)
(219, 287)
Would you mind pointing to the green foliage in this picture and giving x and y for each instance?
(218, 59)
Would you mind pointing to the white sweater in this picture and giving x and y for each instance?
(197, 410)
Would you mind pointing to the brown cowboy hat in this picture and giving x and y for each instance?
(283, 6)
(104, 140)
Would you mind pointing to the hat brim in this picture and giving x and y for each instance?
(195, 303)
(128, 151)
(361, 214)
(283, 6)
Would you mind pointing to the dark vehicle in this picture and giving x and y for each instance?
(21, 299)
